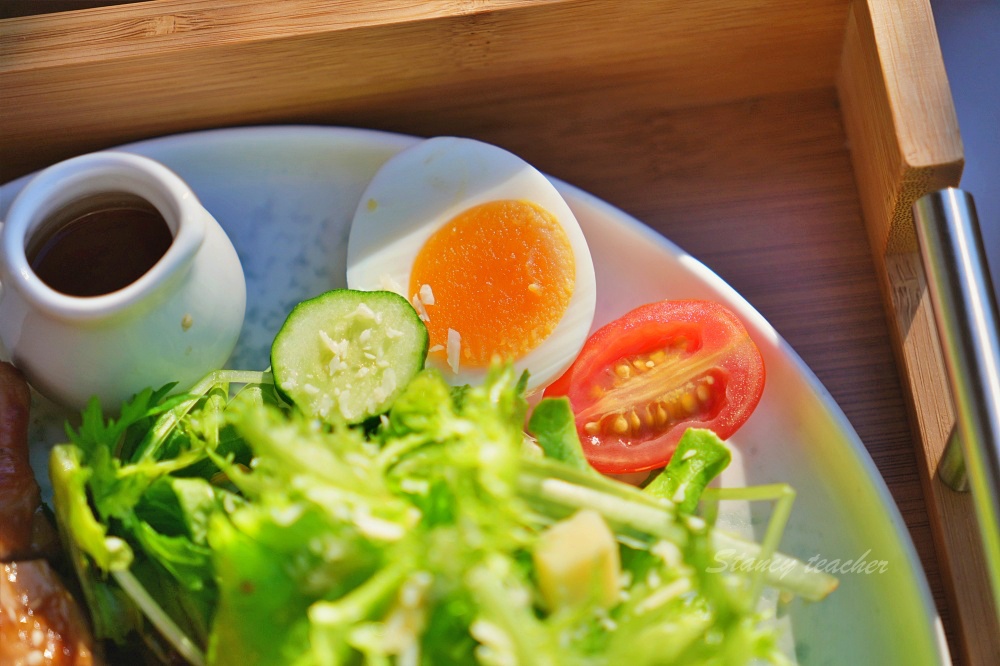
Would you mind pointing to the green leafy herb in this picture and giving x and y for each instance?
(700, 457)
(554, 427)
(244, 532)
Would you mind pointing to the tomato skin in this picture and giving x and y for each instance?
(690, 364)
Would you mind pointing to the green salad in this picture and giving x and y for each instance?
(227, 525)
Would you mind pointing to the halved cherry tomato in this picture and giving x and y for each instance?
(644, 379)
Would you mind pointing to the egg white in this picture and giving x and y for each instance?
(424, 187)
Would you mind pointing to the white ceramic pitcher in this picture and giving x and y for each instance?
(176, 322)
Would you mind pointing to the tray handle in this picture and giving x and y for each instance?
(965, 312)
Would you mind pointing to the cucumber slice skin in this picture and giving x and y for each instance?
(345, 355)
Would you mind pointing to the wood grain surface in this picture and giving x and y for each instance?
(902, 126)
(80, 80)
(718, 123)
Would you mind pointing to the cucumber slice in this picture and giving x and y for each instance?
(346, 354)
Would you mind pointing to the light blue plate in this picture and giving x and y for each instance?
(286, 196)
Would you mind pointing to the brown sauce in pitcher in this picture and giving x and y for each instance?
(99, 245)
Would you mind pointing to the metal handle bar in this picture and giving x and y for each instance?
(965, 311)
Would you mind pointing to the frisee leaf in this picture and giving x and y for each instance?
(255, 535)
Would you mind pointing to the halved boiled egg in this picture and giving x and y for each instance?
(488, 252)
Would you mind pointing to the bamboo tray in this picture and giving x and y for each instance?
(779, 141)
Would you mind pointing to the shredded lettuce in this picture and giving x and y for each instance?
(244, 533)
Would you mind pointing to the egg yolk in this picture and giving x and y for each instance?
(500, 274)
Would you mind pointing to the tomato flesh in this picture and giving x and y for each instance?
(645, 378)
